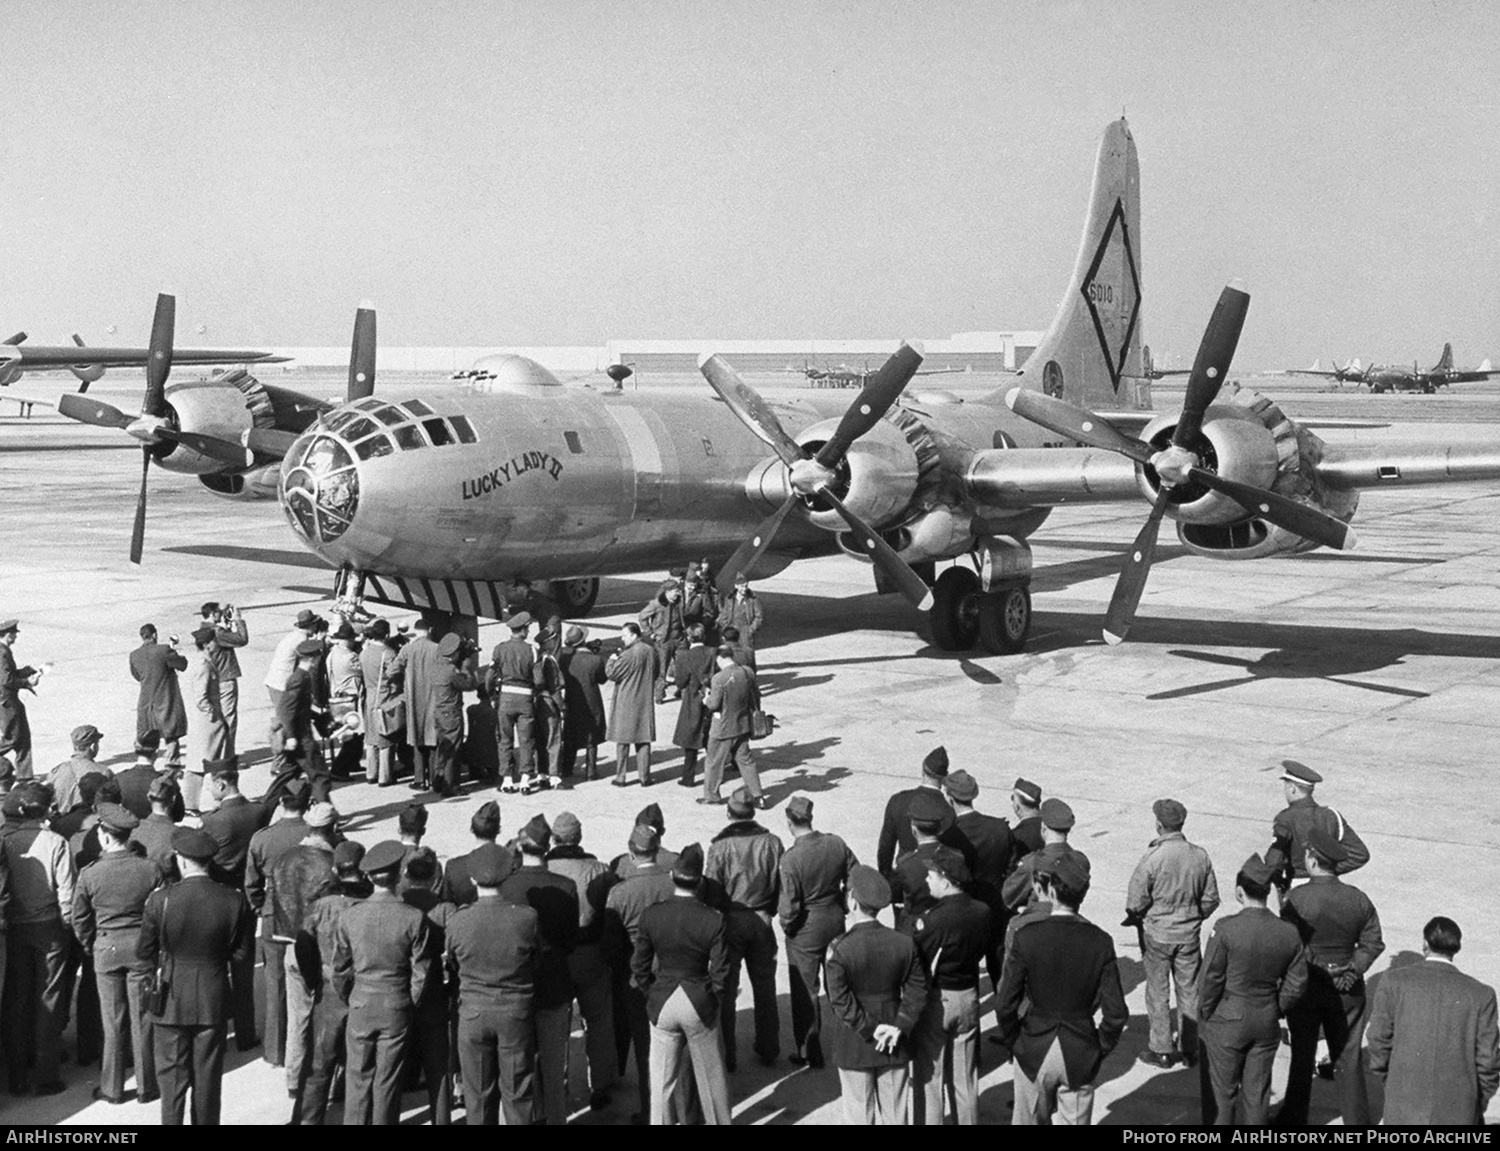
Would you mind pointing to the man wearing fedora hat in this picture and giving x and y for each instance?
(584, 722)
(283, 663)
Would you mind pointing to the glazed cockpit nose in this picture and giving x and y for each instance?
(319, 488)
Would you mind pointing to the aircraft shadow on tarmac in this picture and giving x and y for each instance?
(284, 556)
(1333, 666)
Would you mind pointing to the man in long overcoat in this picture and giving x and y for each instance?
(159, 708)
(584, 724)
(693, 673)
(632, 717)
(420, 667)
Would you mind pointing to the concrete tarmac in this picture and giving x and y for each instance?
(1380, 668)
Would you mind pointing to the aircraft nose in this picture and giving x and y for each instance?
(319, 488)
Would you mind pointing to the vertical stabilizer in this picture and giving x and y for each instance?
(1445, 362)
(1091, 354)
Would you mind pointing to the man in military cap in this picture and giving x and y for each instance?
(15, 730)
(681, 963)
(1172, 891)
(65, 776)
(1341, 930)
(1026, 803)
(267, 846)
(1290, 828)
(1057, 822)
(1066, 967)
(492, 945)
(928, 812)
(744, 860)
(623, 865)
(896, 836)
(195, 931)
(877, 990)
(380, 971)
(513, 679)
(296, 711)
(458, 881)
(1254, 972)
(109, 904)
(814, 872)
(952, 935)
(554, 897)
(991, 851)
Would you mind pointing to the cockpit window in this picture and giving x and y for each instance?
(339, 419)
(359, 429)
(368, 403)
(389, 416)
(464, 429)
(374, 447)
(408, 438)
(439, 432)
(417, 408)
(321, 488)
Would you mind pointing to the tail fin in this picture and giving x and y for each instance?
(1445, 362)
(1091, 355)
(1317, 365)
(1484, 365)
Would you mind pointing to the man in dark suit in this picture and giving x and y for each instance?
(458, 882)
(1341, 930)
(1433, 1037)
(1254, 971)
(928, 814)
(896, 836)
(195, 931)
(992, 847)
(1066, 967)
(732, 697)
(877, 989)
(492, 945)
(380, 971)
(1057, 821)
(681, 962)
(268, 845)
(1026, 803)
(135, 786)
(296, 709)
(159, 707)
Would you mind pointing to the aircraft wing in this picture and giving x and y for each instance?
(1398, 463)
(37, 358)
(1133, 421)
(1306, 372)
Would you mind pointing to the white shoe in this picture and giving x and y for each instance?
(511, 787)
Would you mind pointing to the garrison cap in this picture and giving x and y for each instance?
(194, 843)
(536, 834)
(1169, 813)
(9, 624)
(869, 887)
(486, 821)
(296, 791)
(651, 816)
(221, 766)
(345, 631)
(384, 856)
(799, 808)
(1299, 773)
(741, 804)
(321, 815)
(163, 789)
(961, 786)
(936, 762)
(448, 646)
(567, 828)
(950, 865)
(1057, 815)
(306, 617)
(348, 855)
(689, 865)
(1325, 846)
(309, 647)
(1028, 791)
(85, 734)
(519, 622)
(1257, 869)
(644, 838)
(1071, 868)
(120, 820)
(927, 806)
(489, 864)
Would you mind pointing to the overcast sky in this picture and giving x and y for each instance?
(568, 172)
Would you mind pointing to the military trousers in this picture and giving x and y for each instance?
(275, 737)
(1167, 964)
(594, 990)
(497, 1056)
(636, 1032)
(945, 1046)
(88, 1026)
(1048, 1098)
(553, 1027)
(516, 735)
(1340, 1016)
(678, 1031)
(229, 708)
(1238, 1055)
(330, 1017)
(190, 1059)
(806, 948)
(428, 1050)
(37, 955)
(875, 1096)
(723, 752)
(749, 940)
(273, 956)
(375, 1041)
(299, 1008)
(128, 1027)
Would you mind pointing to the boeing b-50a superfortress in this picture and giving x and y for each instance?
(437, 503)
(1400, 378)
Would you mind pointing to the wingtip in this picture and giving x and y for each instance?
(926, 604)
(703, 359)
(1351, 537)
(1112, 639)
(367, 305)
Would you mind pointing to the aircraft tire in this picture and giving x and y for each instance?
(575, 598)
(1005, 620)
(955, 610)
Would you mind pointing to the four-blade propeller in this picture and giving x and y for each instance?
(1180, 462)
(812, 476)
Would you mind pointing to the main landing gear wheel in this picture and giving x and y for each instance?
(955, 609)
(574, 597)
(1005, 620)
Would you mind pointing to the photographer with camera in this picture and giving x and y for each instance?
(230, 632)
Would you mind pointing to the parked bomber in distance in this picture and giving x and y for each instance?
(844, 376)
(1400, 378)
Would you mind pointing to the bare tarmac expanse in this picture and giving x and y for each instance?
(1380, 668)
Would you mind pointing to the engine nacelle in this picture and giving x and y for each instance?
(213, 407)
(1239, 447)
(876, 481)
(942, 533)
(9, 374)
(256, 484)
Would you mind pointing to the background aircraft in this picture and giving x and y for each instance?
(1149, 370)
(1399, 378)
(844, 376)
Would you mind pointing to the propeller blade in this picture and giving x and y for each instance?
(269, 441)
(87, 411)
(1132, 581)
(746, 403)
(1212, 363)
(753, 548)
(226, 451)
(1305, 521)
(138, 533)
(159, 365)
(362, 354)
(897, 570)
(1075, 423)
(872, 403)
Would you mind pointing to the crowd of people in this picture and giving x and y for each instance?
(136, 904)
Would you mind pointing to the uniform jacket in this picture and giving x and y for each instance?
(732, 696)
(159, 708)
(583, 672)
(992, 848)
(15, 732)
(623, 867)
(895, 829)
(554, 898)
(226, 662)
(65, 776)
(632, 714)
(232, 825)
(1433, 1039)
(664, 624)
(199, 928)
(680, 943)
(693, 673)
(1173, 889)
(494, 947)
(418, 667)
(700, 604)
(514, 664)
(627, 902)
(135, 782)
(592, 878)
(154, 837)
(448, 701)
(458, 886)
(1254, 970)
(380, 955)
(268, 845)
(1289, 838)
(1027, 835)
(953, 937)
(1019, 887)
(874, 976)
(814, 870)
(41, 873)
(295, 707)
(318, 939)
(1337, 922)
(743, 612)
(745, 861)
(111, 895)
(299, 878)
(1066, 967)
